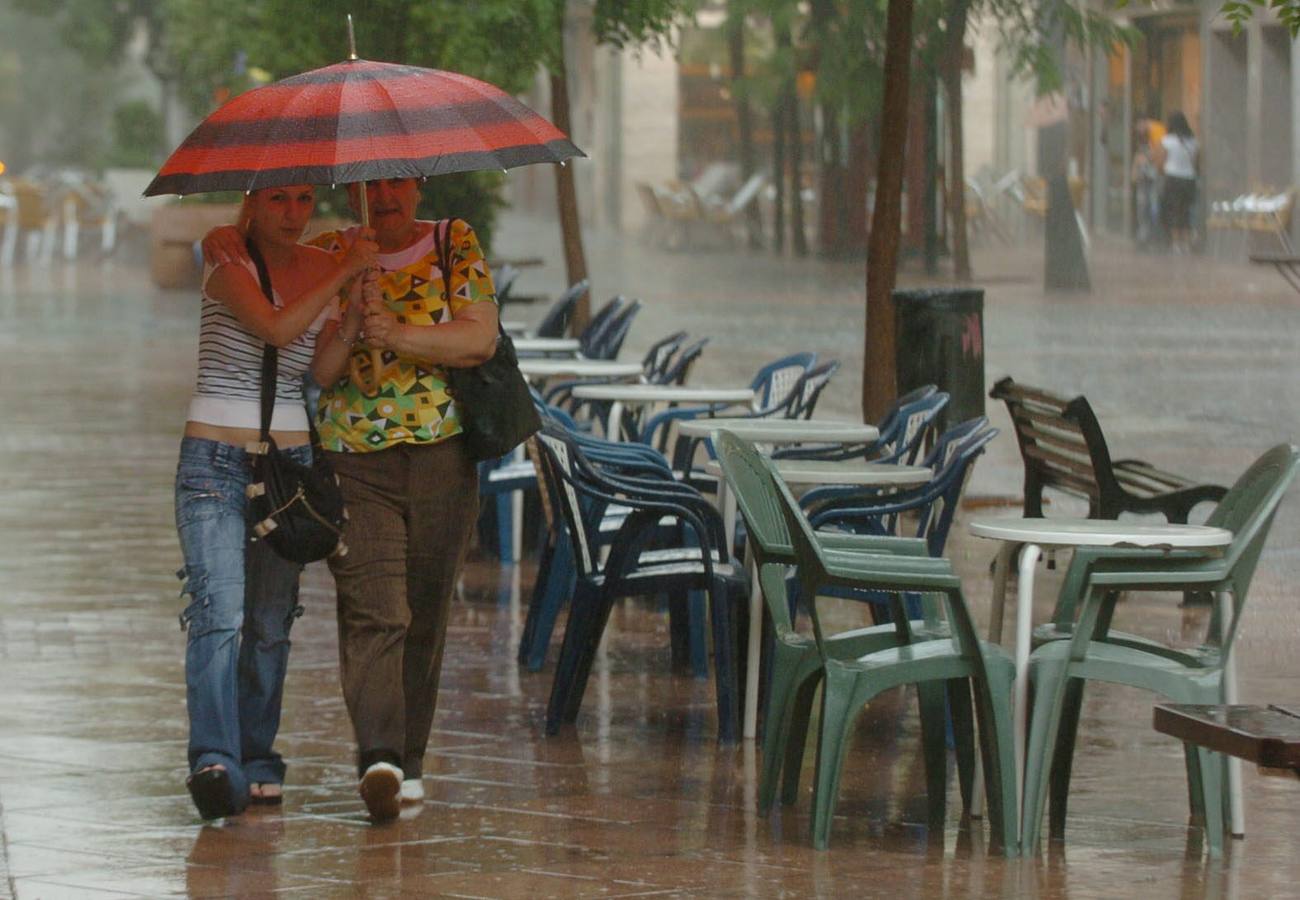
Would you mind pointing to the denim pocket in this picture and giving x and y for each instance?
(200, 497)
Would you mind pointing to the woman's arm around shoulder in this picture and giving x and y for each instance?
(235, 286)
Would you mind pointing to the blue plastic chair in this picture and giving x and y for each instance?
(934, 504)
(554, 583)
(556, 321)
(810, 389)
(633, 569)
(902, 432)
(679, 368)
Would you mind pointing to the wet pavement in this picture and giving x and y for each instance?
(1192, 367)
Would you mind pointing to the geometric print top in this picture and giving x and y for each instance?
(413, 405)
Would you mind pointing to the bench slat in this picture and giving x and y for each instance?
(1055, 439)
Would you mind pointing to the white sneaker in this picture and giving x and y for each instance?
(381, 788)
(412, 790)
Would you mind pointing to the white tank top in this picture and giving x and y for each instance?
(227, 391)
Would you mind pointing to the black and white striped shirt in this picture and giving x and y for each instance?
(228, 388)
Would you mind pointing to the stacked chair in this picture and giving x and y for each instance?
(932, 505)
(500, 479)
(654, 368)
(776, 390)
(903, 430)
(642, 561)
(556, 320)
(941, 654)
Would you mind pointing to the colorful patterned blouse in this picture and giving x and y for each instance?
(413, 405)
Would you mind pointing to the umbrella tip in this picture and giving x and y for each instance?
(352, 40)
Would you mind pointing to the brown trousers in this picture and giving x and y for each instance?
(411, 510)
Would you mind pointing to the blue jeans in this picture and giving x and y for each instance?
(243, 600)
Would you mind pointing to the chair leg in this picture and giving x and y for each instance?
(832, 744)
(934, 746)
(545, 563)
(721, 613)
(1195, 795)
(560, 583)
(797, 739)
(1048, 695)
(507, 552)
(781, 703)
(679, 631)
(590, 644)
(997, 751)
(1063, 757)
(963, 734)
(1212, 784)
(583, 629)
(699, 644)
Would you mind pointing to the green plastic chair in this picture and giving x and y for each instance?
(932, 665)
(1092, 651)
(796, 669)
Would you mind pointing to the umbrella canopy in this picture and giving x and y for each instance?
(357, 121)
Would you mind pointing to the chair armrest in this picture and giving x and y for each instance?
(872, 543)
(677, 413)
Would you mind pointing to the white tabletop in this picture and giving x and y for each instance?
(860, 474)
(514, 326)
(782, 431)
(547, 345)
(578, 368)
(1099, 533)
(654, 393)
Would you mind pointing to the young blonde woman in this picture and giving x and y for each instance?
(242, 597)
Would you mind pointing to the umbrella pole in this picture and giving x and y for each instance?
(376, 356)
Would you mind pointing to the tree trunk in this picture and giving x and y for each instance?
(833, 208)
(952, 62)
(799, 237)
(575, 258)
(744, 123)
(778, 176)
(857, 187)
(879, 384)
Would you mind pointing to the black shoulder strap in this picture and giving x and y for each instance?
(271, 357)
(270, 354)
(444, 258)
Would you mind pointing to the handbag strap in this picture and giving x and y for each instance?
(444, 259)
(444, 266)
(271, 359)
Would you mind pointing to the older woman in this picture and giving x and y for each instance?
(392, 432)
(242, 596)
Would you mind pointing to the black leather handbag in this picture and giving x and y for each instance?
(492, 399)
(298, 510)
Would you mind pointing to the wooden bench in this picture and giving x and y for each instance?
(1063, 448)
(1268, 736)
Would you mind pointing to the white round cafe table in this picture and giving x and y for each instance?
(578, 368)
(768, 430)
(1031, 535)
(800, 472)
(620, 395)
(546, 346)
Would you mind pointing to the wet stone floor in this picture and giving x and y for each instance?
(639, 799)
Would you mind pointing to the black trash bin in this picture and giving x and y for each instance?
(939, 339)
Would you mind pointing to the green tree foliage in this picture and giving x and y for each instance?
(137, 134)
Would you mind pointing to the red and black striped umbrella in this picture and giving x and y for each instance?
(358, 121)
